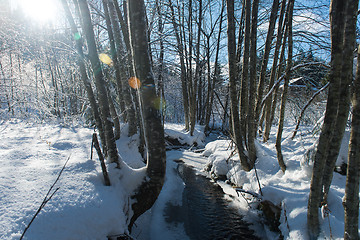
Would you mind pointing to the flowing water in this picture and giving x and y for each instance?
(204, 212)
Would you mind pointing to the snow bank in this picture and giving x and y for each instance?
(177, 131)
(31, 157)
(289, 190)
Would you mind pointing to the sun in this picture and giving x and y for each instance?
(41, 11)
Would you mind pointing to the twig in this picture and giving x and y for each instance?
(326, 213)
(47, 198)
(101, 158)
(305, 107)
(92, 148)
(286, 220)
(258, 180)
(237, 189)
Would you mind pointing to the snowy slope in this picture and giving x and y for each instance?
(31, 157)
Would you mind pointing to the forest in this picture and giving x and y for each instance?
(113, 104)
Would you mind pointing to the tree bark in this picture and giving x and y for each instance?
(236, 132)
(351, 200)
(121, 69)
(244, 95)
(344, 104)
(83, 75)
(211, 85)
(269, 37)
(114, 115)
(114, 57)
(149, 190)
(268, 103)
(285, 90)
(252, 85)
(337, 23)
(180, 50)
(99, 81)
(196, 79)
(160, 77)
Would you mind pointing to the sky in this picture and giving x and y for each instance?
(40, 11)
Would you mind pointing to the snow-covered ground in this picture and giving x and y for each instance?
(31, 156)
(289, 190)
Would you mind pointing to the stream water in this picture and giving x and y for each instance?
(204, 211)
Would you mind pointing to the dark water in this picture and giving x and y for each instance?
(205, 213)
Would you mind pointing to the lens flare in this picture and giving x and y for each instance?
(159, 103)
(134, 82)
(105, 59)
(77, 36)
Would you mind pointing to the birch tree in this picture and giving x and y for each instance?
(149, 190)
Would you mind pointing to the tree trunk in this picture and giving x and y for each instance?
(149, 190)
(121, 69)
(195, 81)
(285, 90)
(351, 200)
(252, 85)
(161, 90)
(84, 78)
(236, 132)
(99, 81)
(211, 85)
(114, 57)
(244, 95)
(114, 115)
(269, 37)
(337, 23)
(344, 104)
(180, 50)
(268, 103)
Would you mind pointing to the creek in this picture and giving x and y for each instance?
(204, 212)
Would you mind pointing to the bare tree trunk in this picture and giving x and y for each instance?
(268, 103)
(123, 24)
(351, 200)
(99, 81)
(129, 105)
(149, 190)
(244, 95)
(344, 104)
(180, 50)
(161, 90)
(279, 73)
(251, 122)
(195, 81)
(337, 16)
(114, 116)
(285, 90)
(84, 77)
(114, 56)
(211, 85)
(269, 37)
(236, 132)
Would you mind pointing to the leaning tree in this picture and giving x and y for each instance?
(150, 188)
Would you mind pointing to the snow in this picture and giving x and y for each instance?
(289, 190)
(32, 155)
(177, 131)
